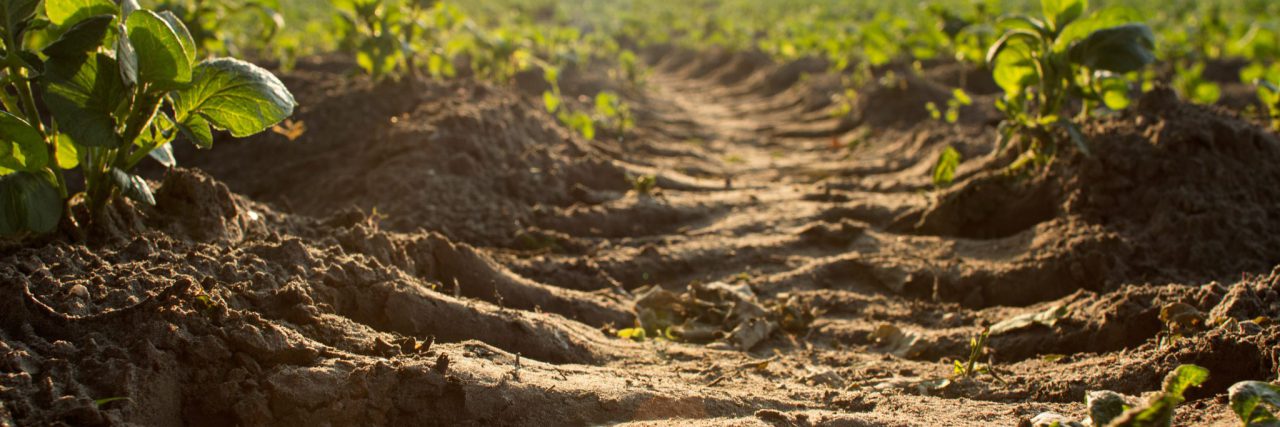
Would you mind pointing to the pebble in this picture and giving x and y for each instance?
(79, 291)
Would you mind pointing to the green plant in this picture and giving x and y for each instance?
(208, 19)
(959, 99)
(612, 112)
(971, 365)
(644, 185)
(1190, 82)
(120, 83)
(382, 34)
(1110, 409)
(1256, 403)
(1044, 65)
(1158, 410)
(944, 171)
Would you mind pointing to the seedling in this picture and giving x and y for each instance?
(120, 83)
(944, 171)
(612, 112)
(1045, 65)
(1110, 409)
(207, 21)
(959, 99)
(382, 34)
(1158, 410)
(971, 366)
(1190, 82)
(644, 185)
(1256, 403)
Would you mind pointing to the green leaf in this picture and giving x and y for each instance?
(1115, 92)
(184, 35)
(127, 57)
(1158, 411)
(84, 37)
(1012, 64)
(1249, 400)
(1104, 18)
(83, 93)
(28, 202)
(196, 129)
(550, 101)
(163, 58)
(236, 96)
(132, 186)
(68, 12)
(944, 171)
(1060, 13)
(1186, 376)
(164, 155)
(1123, 49)
(101, 402)
(1104, 406)
(21, 146)
(68, 155)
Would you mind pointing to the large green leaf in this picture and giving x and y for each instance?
(1122, 49)
(235, 96)
(28, 202)
(1250, 401)
(21, 146)
(1060, 13)
(83, 92)
(68, 12)
(1104, 18)
(164, 59)
(1013, 66)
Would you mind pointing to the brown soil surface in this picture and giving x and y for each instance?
(445, 253)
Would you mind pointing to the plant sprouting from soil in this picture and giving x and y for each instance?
(1158, 410)
(119, 84)
(207, 21)
(972, 364)
(382, 34)
(1256, 403)
(944, 170)
(959, 99)
(1110, 409)
(1048, 64)
(644, 185)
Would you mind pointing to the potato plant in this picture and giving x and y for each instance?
(119, 84)
(383, 34)
(207, 21)
(1064, 58)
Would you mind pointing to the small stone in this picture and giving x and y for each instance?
(79, 291)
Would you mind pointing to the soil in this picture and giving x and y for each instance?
(434, 253)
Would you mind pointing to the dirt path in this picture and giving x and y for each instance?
(445, 253)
